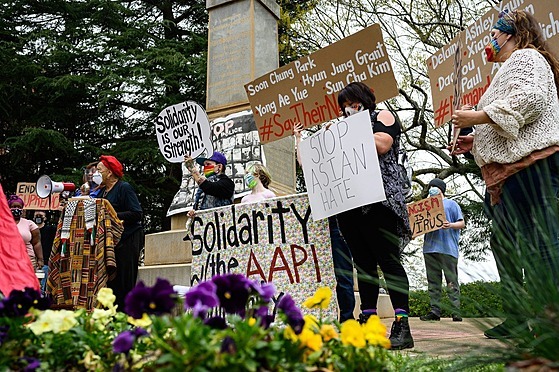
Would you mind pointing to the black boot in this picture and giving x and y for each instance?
(400, 334)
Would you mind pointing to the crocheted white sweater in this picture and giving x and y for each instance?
(522, 101)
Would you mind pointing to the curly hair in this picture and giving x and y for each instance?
(357, 92)
(528, 34)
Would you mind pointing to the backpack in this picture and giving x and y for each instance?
(405, 171)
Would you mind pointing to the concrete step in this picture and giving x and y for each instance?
(166, 248)
(176, 274)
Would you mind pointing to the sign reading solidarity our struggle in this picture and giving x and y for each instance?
(270, 241)
(183, 129)
(426, 215)
(341, 167)
(460, 69)
(305, 91)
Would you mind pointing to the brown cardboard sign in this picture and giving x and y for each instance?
(306, 91)
(468, 77)
(32, 201)
(426, 215)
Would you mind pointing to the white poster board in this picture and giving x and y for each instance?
(271, 241)
(183, 129)
(341, 167)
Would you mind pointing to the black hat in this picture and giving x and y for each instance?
(438, 183)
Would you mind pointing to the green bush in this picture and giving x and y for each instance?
(478, 299)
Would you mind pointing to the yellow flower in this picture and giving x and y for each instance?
(144, 321)
(101, 318)
(251, 322)
(320, 299)
(106, 297)
(290, 334)
(40, 326)
(310, 340)
(375, 332)
(352, 334)
(328, 332)
(311, 323)
(54, 321)
(91, 361)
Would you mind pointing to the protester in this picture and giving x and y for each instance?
(29, 232)
(516, 145)
(124, 200)
(91, 181)
(257, 179)
(48, 232)
(16, 271)
(215, 188)
(341, 256)
(440, 250)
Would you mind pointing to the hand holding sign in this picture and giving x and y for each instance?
(183, 130)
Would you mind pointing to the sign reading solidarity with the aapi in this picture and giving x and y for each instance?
(305, 91)
(426, 215)
(341, 167)
(460, 70)
(270, 241)
(183, 129)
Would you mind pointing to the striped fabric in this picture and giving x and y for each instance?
(76, 277)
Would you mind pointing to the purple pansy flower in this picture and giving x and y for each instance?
(265, 318)
(19, 302)
(124, 342)
(228, 345)
(265, 290)
(201, 298)
(159, 299)
(293, 314)
(31, 364)
(233, 292)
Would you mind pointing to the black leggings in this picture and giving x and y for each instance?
(373, 241)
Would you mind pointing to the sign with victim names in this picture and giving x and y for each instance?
(183, 129)
(341, 166)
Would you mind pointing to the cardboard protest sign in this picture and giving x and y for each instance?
(27, 191)
(236, 137)
(272, 241)
(426, 215)
(183, 129)
(341, 167)
(476, 73)
(305, 91)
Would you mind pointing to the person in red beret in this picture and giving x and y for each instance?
(124, 200)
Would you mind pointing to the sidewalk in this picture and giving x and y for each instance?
(446, 338)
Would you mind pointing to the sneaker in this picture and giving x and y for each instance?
(456, 318)
(400, 334)
(505, 330)
(430, 316)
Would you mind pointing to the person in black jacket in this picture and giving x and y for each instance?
(124, 200)
(216, 189)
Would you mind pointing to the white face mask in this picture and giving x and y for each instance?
(434, 191)
(97, 178)
(351, 111)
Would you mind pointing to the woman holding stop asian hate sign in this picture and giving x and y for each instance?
(376, 233)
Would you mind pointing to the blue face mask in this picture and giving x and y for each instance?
(250, 181)
(433, 191)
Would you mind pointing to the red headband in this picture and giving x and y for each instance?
(113, 164)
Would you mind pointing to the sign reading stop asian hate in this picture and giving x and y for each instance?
(305, 91)
(270, 241)
(341, 167)
(426, 215)
(460, 69)
(183, 129)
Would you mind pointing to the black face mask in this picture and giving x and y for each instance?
(17, 212)
(39, 220)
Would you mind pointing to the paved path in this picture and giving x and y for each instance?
(446, 338)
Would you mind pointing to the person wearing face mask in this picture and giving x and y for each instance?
(92, 180)
(124, 200)
(48, 233)
(215, 188)
(257, 178)
(29, 232)
(516, 145)
(440, 250)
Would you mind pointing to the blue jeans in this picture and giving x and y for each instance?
(44, 280)
(343, 269)
(525, 232)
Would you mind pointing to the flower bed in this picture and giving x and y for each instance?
(228, 323)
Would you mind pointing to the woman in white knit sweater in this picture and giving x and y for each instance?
(516, 144)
